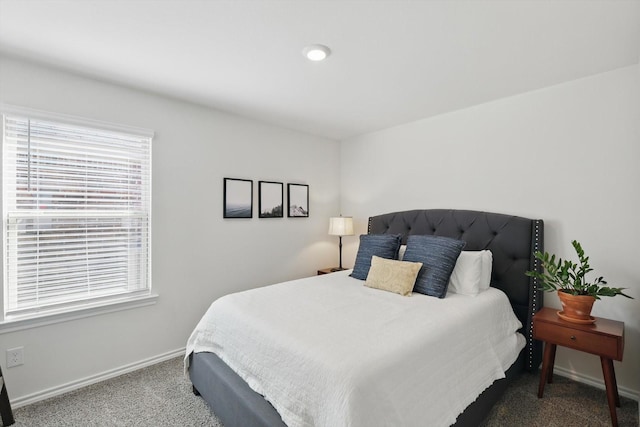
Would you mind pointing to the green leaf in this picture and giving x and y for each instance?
(559, 274)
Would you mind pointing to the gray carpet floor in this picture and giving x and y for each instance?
(161, 395)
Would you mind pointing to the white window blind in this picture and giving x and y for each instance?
(76, 207)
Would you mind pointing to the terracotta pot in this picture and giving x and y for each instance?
(576, 308)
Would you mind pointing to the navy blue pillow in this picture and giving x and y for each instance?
(438, 256)
(382, 245)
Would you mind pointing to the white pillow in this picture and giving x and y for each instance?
(472, 273)
(487, 266)
(401, 251)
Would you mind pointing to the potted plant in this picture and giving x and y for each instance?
(568, 279)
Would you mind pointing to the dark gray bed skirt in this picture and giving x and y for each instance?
(237, 405)
(231, 399)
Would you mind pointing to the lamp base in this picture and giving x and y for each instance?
(338, 269)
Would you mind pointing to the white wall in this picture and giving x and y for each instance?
(568, 154)
(197, 256)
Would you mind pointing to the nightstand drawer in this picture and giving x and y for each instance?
(589, 342)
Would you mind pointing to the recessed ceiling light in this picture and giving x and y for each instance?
(316, 52)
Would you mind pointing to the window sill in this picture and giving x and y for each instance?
(50, 318)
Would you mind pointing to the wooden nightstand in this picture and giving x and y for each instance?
(604, 338)
(330, 270)
(6, 415)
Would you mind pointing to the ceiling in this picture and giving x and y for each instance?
(392, 62)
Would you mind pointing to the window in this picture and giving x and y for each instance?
(76, 214)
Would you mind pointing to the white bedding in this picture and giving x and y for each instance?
(328, 351)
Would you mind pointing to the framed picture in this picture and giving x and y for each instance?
(270, 199)
(238, 198)
(298, 198)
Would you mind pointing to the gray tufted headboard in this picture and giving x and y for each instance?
(511, 239)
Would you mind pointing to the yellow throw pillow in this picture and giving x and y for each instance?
(393, 276)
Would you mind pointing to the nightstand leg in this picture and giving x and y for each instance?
(553, 363)
(612, 388)
(6, 416)
(547, 366)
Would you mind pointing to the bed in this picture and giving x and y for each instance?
(356, 393)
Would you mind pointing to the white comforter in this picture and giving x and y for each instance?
(328, 351)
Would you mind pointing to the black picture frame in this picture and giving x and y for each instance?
(270, 199)
(297, 201)
(238, 198)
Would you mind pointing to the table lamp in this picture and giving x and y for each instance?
(340, 226)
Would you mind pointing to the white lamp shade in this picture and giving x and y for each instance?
(341, 226)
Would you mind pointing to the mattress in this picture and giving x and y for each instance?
(328, 351)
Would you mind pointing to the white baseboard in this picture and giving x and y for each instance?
(83, 382)
(595, 382)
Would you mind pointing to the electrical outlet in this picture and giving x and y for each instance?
(15, 357)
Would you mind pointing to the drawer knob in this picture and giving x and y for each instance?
(573, 337)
